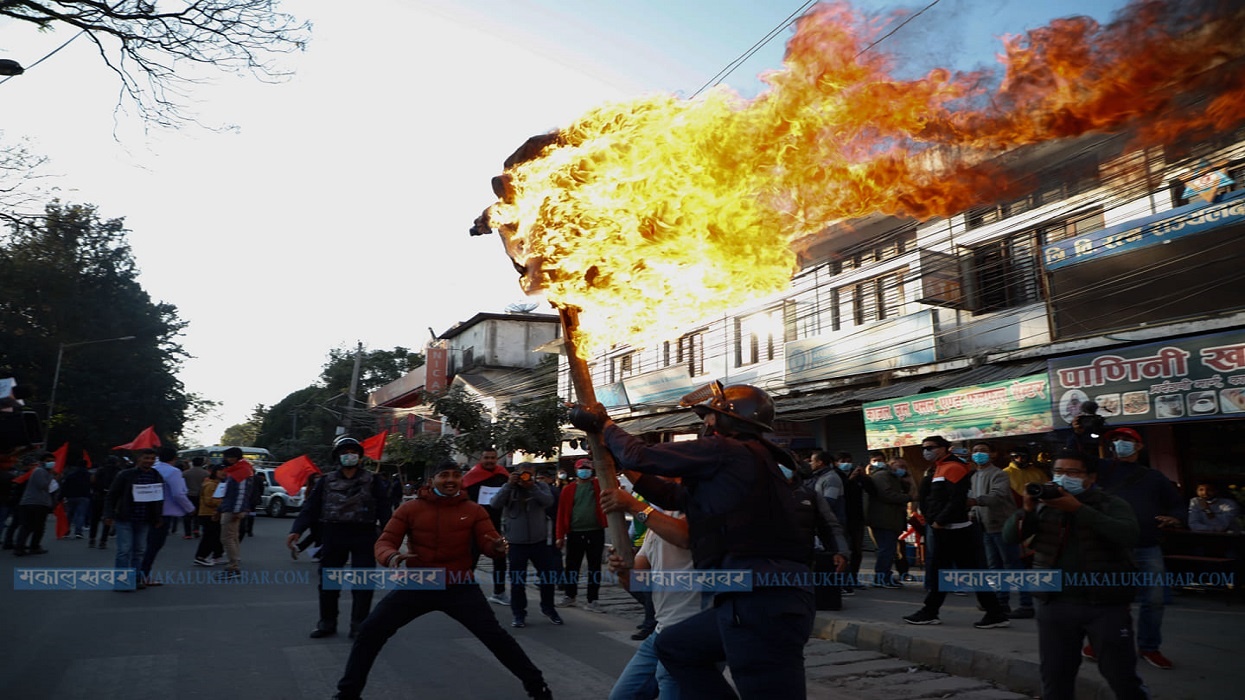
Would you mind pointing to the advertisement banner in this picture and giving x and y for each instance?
(1169, 380)
(998, 409)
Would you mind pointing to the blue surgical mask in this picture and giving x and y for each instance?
(583, 473)
(928, 455)
(981, 458)
(438, 492)
(901, 472)
(1124, 448)
(1071, 484)
(348, 459)
(786, 472)
(49, 465)
(845, 466)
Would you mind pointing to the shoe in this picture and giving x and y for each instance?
(1156, 659)
(540, 692)
(19, 552)
(140, 586)
(518, 621)
(201, 561)
(324, 629)
(565, 601)
(992, 621)
(37, 550)
(1088, 652)
(847, 592)
(499, 599)
(219, 560)
(922, 617)
(642, 635)
(553, 616)
(594, 606)
(153, 582)
(1023, 613)
(891, 582)
(78, 536)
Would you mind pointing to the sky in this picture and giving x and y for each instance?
(335, 208)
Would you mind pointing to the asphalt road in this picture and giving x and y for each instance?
(195, 638)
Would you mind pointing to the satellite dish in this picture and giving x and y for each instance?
(522, 307)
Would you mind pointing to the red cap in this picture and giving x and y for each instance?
(584, 464)
(1125, 432)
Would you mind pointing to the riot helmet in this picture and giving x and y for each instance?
(742, 408)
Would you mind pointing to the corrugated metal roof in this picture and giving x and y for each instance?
(659, 423)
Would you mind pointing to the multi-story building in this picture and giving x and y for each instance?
(983, 324)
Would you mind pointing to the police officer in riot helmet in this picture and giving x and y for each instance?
(740, 517)
(350, 503)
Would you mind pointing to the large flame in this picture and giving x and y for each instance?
(655, 214)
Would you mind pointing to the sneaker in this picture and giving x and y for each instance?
(847, 592)
(324, 628)
(499, 599)
(1023, 613)
(922, 617)
(565, 601)
(219, 560)
(518, 621)
(594, 606)
(554, 617)
(78, 536)
(992, 622)
(1156, 659)
(1088, 652)
(540, 692)
(202, 561)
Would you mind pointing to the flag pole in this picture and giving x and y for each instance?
(602, 460)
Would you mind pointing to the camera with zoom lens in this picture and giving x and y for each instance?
(1043, 492)
(1093, 424)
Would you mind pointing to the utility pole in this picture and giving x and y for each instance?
(344, 428)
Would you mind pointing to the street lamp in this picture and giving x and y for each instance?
(57, 374)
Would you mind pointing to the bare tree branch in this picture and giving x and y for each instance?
(153, 45)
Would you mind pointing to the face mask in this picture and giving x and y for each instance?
(583, 473)
(786, 472)
(436, 491)
(928, 455)
(1071, 484)
(901, 472)
(1124, 448)
(845, 466)
(877, 466)
(981, 458)
(49, 465)
(348, 459)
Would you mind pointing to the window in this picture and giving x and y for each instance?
(876, 299)
(1008, 272)
(879, 250)
(1074, 176)
(757, 337)
(622, 367)
(691, 351)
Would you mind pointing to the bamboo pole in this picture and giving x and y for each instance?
(602, 460)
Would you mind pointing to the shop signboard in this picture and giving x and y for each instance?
(997, 409)
(1171, 380)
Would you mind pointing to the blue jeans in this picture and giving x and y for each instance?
(77, 510)
(887, 541)
(644, 676)
(1001, 555)
(131, 543)
(1150, 617)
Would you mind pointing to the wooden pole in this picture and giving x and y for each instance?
(602, 460)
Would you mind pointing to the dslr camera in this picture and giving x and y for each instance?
(1093, 424)
(1043, 492)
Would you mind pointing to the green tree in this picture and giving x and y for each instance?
(70, 278)
(245, 433)
(534, 427)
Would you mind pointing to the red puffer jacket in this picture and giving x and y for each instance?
(439, 531)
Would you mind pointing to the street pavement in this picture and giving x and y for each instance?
(196, 638)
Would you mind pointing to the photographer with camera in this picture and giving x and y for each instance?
(1156, 503)
(522, 503)
(1080, 529)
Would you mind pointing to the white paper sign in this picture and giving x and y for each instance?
(220, 490)
(486, 494)
(54, 486)
(146, 493)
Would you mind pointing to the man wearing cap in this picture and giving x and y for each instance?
(1157, 504)
(440, 526)
(522, 502)
(740, 513)
(1021, 471)
(349, 502)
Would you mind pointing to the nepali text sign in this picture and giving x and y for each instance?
(1179, 379)
(998, 409)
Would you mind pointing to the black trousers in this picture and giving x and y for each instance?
(464, 603)
(190, 522)
(34, 520)
(341, 543)
(548, 571)
(957, 549)
(588, 545)
(854, 528)
(97, 519)
(1062, 629)
(210, 544)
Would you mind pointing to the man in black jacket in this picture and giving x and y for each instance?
(135, 503)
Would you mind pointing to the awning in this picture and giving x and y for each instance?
(660, 423)
(815, 406)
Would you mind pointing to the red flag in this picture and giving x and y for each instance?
(62, 455)
(87, 458)
(293, 474)
(374, 446)
(240, 471)
(62, 521)
(25, 475)
(147, 438)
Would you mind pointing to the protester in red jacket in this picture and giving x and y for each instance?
(581, 530)
(439, 526)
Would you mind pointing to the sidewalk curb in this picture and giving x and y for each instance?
(1017, 675)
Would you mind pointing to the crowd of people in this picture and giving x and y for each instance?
(728, 500)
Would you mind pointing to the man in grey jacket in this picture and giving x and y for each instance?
(887, 516)
(35, 505)
(522, 502)
(992, 503)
